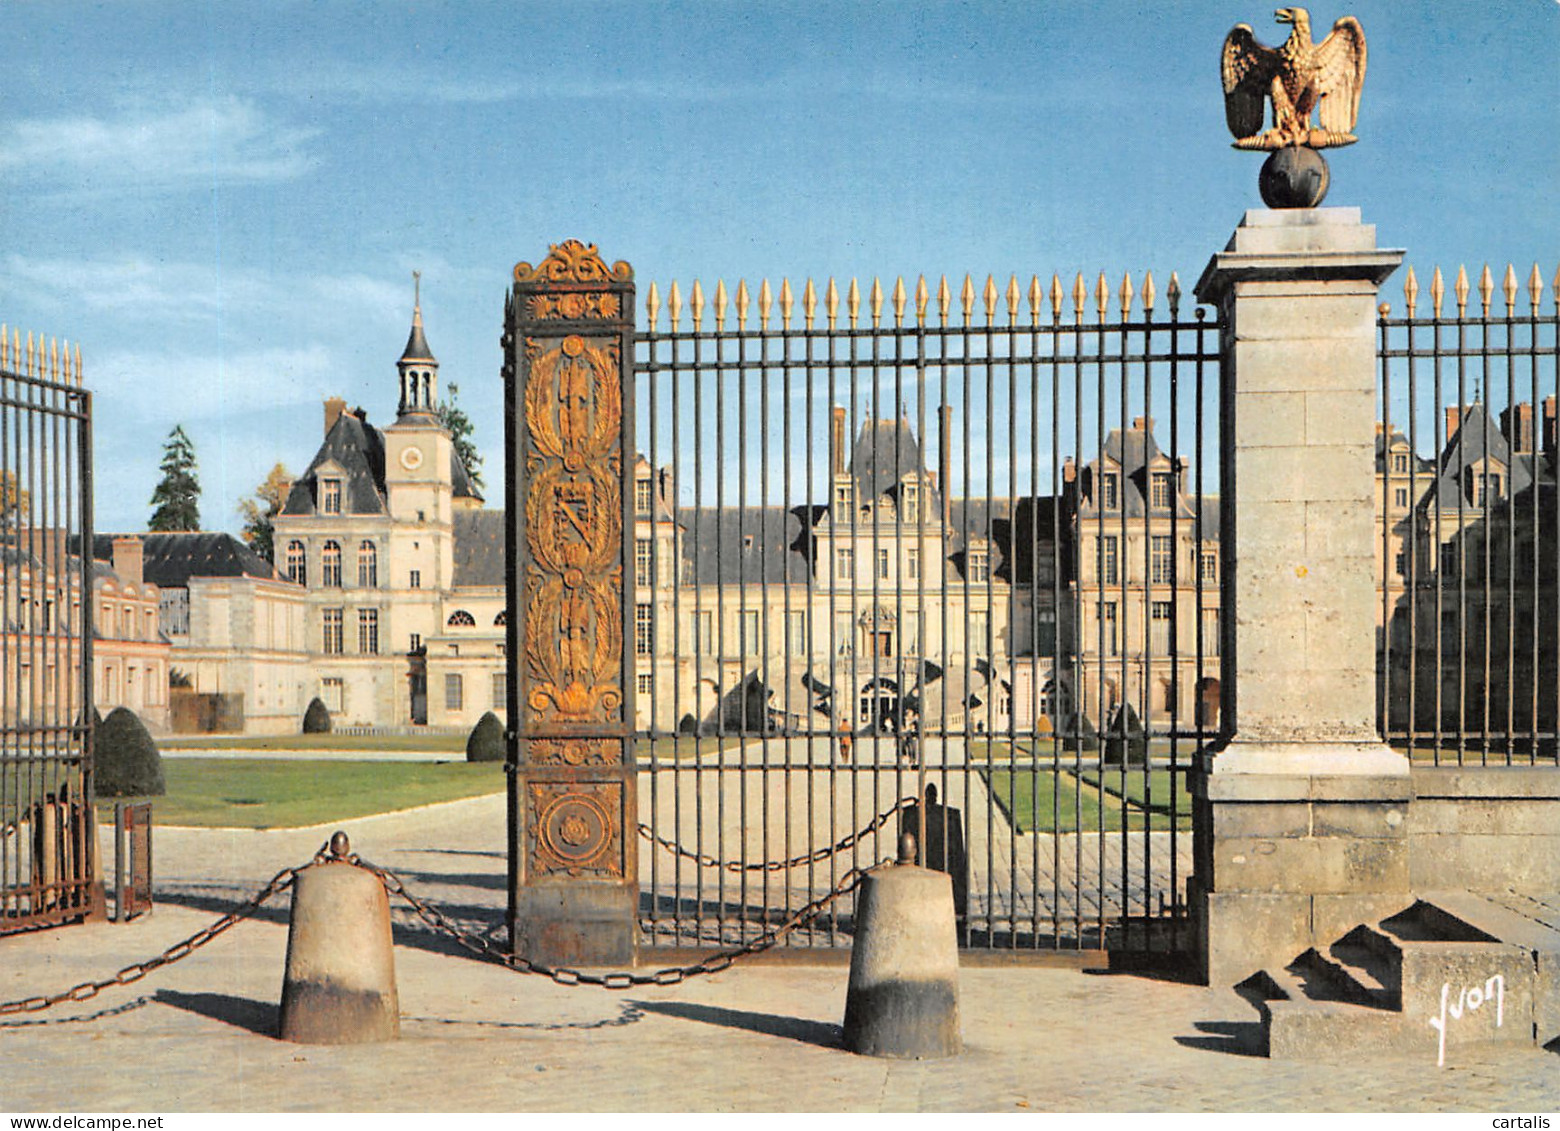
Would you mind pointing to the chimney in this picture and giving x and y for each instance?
(837, 441)
(945, 460)
(1516, 422)
(1142, 424)
(334, 407)
(1069, 470)
(129, 558)
(1453, 419)
(1549, 424)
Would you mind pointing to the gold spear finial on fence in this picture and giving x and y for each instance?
(1410, 291)
(696, 305)
(1126, 296)
(989, 297)
(1486, 289)
(899, 297)
(1460, 289)
(1080, 297)
(786, 303)
(32, 370)
(652, 306)
(1148, 291)
(1555, 288)
(1013, 299)
(54, 359)
(809, 303)
(1057, 296)
(967, 298)
(853, 302)
(742, 304)
(1535, 288)
(944, 298)
(831, 302)
(65, 363)
(5, 341)
(766, 303)
(921, 295)
(1173, 293)
(78, 365)
(1508, 288)
(1036, 297)
(876, 299)
(721, 299)
(1102, 297)
(674, 305)
(1437, 291)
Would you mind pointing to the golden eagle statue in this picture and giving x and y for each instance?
(1300, 76)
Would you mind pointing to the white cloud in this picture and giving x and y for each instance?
(213, 385)
(201, 143)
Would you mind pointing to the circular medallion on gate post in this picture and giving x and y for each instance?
(576, 830)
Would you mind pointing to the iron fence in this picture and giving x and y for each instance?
(923, 561)
(1469, 523)
(47, 837)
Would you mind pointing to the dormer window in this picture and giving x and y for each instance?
(1159, 490)
(642, 497)
(1109, 485)
(980, 565)
(910, 502)
(330, 496)
(1486, 488)
(842, 495)
(1400, 463)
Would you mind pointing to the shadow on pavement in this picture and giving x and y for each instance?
(257, 1016)
(794, 1028)
(1234, 1038)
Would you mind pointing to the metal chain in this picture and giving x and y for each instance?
(621, 980)
(813, 857)
(183, 949)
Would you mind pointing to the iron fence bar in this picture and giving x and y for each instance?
(1539, 443)
(1510, 523)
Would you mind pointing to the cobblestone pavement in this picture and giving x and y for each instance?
(197, 1036)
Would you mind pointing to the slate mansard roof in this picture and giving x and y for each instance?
(169, 560)
(358, 448)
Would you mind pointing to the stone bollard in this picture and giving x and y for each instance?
(340, 983)
(903, 999)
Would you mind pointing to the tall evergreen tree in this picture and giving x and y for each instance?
(260, 509)
(460, 428)
(177, 496)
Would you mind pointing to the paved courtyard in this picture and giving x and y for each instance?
(197, 1036)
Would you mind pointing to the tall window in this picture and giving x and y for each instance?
(415, 581)
(1159, 626)
(979, 642)
(644, 687)
(1045, 642)
(416, 642)
(796, 634)
(500, 692)
(1400, 497)
(368, 565)
(1159, 490)
(368, 632)
(454, 691)
(642, 497)
(642, 562)
(1208, 566)
(1485, 488)
(910, 502)
(1111, 643)
(334, 693)
(1108, 574)
(331, 643)
(703, 626)
(751, 645)
(912, 564)
(842, 495)
(1400, 463)
(1108, 483)
(297, 563)
(1210, 632)
(644, 631)
(980, 565)
(844, 635)
(330, 496)
(330, 566)
(844, 564)
(882, 563)
(1161, 558)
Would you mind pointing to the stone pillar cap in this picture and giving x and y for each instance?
(1280, 245)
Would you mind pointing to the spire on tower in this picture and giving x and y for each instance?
(419, 369)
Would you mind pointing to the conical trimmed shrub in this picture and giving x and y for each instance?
(127, 761)
(486, 743)
(316, 720)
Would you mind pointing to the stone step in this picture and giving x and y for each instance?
(1374, 978)
(1297, 1026)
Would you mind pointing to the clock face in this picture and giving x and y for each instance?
(411, 458)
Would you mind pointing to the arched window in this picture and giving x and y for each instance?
(502, 618)
(368, 565)
(460, 618)
(297, 563)
(330, 566)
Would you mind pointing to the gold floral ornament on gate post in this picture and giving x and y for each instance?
(1299, 78)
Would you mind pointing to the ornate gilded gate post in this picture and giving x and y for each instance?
(568, 341)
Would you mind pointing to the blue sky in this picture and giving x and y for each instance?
(223, 202)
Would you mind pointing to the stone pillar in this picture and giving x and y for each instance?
(1300, 808)
(568, 353)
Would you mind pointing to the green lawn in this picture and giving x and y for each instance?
(441, 743)
(1058, 801)
(1158, 790)
(264, 793)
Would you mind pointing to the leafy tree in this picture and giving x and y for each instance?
(177, 497)
(127, 759)
(460, 428)
(258, 511)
